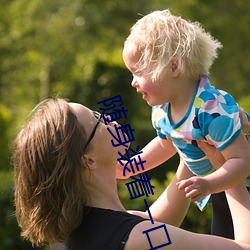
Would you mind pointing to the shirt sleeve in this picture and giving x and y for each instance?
(159, 121)
(219, 120)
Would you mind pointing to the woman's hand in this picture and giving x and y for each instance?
(245, 124)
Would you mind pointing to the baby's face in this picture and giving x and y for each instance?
(152, 92)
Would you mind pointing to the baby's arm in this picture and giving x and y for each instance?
(233, 172)
(154, 153)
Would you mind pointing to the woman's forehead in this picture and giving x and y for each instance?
(83, 114)
(78, 108)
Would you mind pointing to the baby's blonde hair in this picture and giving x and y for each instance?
(161, 36)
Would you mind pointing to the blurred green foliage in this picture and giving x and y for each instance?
(9, 231)
(72, 48)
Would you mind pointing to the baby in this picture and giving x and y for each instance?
(170, 59)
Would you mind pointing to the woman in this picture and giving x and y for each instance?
(65, 189)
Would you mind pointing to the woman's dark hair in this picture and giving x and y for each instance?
(49, 180)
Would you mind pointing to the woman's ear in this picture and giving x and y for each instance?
(175, 66)
(90, 161)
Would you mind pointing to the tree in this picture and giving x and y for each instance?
(72, 48)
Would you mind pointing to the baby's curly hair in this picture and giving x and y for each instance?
(161, 36)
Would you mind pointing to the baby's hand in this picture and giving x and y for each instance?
(195, 187)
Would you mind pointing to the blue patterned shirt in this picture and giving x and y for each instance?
(213, 115)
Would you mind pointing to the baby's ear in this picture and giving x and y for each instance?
(175, 66)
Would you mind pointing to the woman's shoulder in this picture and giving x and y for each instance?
(102, 229)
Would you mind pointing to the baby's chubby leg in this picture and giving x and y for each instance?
(239, 203)
(171, 207)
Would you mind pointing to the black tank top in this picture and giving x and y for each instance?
(102, 229)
